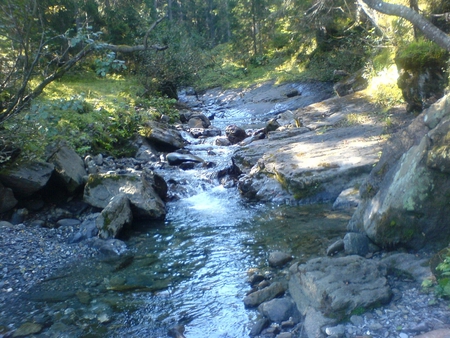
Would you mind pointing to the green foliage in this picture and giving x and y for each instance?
(420, 54)
(163, 72)
(108, 65)
(443, 287)
(92, 122)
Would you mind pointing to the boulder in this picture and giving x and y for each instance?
(356, 244)
(162, 136)
(404, 264)
(27, 178)
(347, 199)
(202, 132)
(146, 152)
(145, 201)
(278, 309)
(114, 217)
(178, 158)
(198, 121)
(151, 180)
(69, 167)
(7, 199)
(278, 258)
(261, 296)
(313, 163)
(314, 323)
(235, 134)
(337, 286)
(405, 196)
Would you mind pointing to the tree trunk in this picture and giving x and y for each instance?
(427, 28)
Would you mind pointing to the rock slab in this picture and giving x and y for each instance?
(337, 286)
(145, 201)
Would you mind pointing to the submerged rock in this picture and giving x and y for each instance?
(278, 258)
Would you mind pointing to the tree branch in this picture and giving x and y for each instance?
(20, 100)
(427, 28)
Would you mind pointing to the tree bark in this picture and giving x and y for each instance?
(427, 28)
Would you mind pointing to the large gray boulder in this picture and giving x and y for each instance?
(25, 179)
(405, 199)
(114, 217)
(163, 136)
(69, 167)
(145, 201)
(337, 286)
(316, 162)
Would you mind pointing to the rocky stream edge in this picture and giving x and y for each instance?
(326, 152)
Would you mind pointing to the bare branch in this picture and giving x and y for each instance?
(152, 27)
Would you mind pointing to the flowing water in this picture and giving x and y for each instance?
(189, 269)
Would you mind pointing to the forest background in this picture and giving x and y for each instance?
(90, 71)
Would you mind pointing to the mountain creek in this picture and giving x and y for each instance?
(191, 274)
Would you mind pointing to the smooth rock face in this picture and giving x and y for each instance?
(145, 201)
(313, 163)
(337, 286)
(69, 167)
(26, 179)
(114, 217)
(403, 198)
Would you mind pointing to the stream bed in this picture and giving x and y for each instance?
(191, 268)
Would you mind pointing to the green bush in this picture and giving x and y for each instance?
(419, 55)
(443, 287)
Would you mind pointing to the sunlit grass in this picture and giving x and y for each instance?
(92, 114)
(383, 88)
(101, 92)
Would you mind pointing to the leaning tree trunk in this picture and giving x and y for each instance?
(427, 28)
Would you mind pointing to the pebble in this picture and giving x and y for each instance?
(30, 254)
